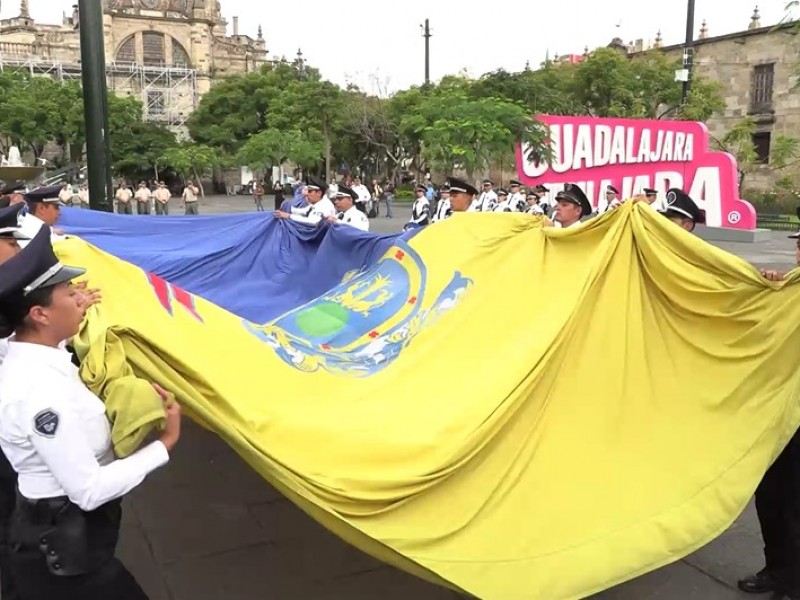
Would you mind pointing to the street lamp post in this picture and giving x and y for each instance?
(688, 51)
(426, 33)
(95, 103)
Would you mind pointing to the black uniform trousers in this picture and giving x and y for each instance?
(778, 508)
(59, 552)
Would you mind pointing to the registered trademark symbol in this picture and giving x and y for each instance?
(734, 217)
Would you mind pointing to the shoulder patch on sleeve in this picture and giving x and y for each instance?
(46, 423)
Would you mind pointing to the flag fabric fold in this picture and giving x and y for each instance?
(514, 411)
(251, 264)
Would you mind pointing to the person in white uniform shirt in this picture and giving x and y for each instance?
(66, 194)
(652, 199)
(610, 202)
(56, 435)
(443, 205)
(462, 196)
(319, 206)
(420, 210)
(532, 205)
(571, 206)
(502, 202)
(345, 203)
(516, 200)
(487, 201)
(44, 208)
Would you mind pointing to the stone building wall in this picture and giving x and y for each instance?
(732, 60)
(167, 53)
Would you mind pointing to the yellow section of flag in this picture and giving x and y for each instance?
(522, 413)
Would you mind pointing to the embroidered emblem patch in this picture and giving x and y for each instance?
(46, 423)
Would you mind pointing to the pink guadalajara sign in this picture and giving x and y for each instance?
(633, 154)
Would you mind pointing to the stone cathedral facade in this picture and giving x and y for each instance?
(167, 53)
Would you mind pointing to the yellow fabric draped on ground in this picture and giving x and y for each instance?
(523, 413)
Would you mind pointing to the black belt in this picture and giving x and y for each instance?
(41, 511)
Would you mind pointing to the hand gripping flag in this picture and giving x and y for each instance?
(513, 411)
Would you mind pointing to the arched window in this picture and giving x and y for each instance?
(153, 48)
(127, 51)
(158, 50)
(180, 58)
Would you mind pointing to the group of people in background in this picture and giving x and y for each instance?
(155, 197)
(566, 208)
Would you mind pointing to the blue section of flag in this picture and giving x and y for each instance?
(251, 264)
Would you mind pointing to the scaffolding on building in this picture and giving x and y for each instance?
(169, 94)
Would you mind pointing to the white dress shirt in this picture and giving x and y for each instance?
(30, 227)
(56, 435)
(355, 218)
(442, 210)
(486, 202)
(363, 193)
(314, 213)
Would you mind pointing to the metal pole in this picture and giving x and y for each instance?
(427, 51)
(93, 68)
(688, 51)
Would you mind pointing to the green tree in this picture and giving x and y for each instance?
(273, 146)
(738, 141)
(189, 158)
(138, 150)
(460, 132)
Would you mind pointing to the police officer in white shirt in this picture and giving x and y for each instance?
(462, 196)
(443, 205)
(10, 233)
(682, 210)
(502, 202)
(44, 208)
(420, 210)
(516, 200)
(610, 202)
(349, 214)
(571, 206)
(56, 435)
(487, 201)
(533, 207)
(319, 205)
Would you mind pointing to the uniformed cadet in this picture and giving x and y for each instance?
(55, 433)
(66, 194)
(319, 206)
(533, 206)
(516, 199)
(502, 202)
(443, 206)
(123, 198)
(143, 195)
(541, 193)
(44, 208)
(651, 196)
(462, 196)
(571, 206)
(162, 197)
(778, 510)
(610, 202)
(83, 196)
(10, 233)
(487, 201)
(682, 210)
(420, 210)
(345, 203)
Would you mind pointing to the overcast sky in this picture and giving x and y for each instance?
(365, 41)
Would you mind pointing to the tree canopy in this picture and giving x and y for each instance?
(287, 112)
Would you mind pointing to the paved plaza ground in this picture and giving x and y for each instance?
(208, 528)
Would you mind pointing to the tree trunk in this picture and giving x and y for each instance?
(327, 149)
(155, 170)
(199, 183)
